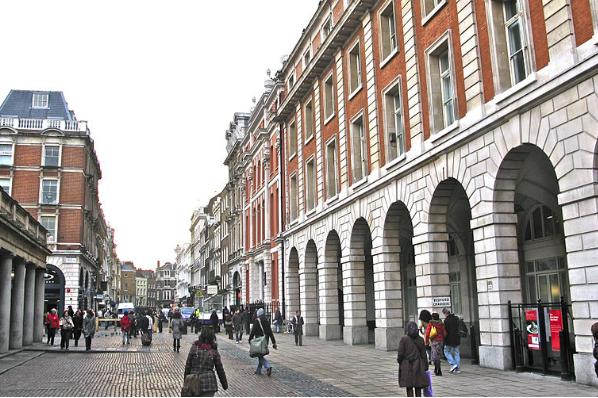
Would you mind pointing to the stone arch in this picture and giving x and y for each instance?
(330, 286)
(308, 282)
(293, 291)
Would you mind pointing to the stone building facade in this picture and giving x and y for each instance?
(442, 149)
(165, 284)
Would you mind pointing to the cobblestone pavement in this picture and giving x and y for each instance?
(316, 369)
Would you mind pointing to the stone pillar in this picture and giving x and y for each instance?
(17, 305)
(330, 328)
(38, 312)
(355, 330)
(498, 281)
(431, 269)
(389, 305)
(292, 293)
(5, 301)
(309, 300)
(29, 307)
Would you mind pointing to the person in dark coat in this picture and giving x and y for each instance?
(238, 325)
(247, 320)
(595, 352)
(452, 341)
(424, 318)
(202, 359)
(214, 321)
(228, 325)
(78, 322)
(70, 310)
(89, 328)
(161, 319)
(277, 320)
(261, 327)
(413, 361)
(298, 328)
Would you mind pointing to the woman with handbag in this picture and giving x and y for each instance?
(261, 332)
(434, 337)
(66, 328)
(413, 362)
(200, 380)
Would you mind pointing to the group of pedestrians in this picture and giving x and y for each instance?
(71, 325)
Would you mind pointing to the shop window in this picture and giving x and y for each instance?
(328, 98)
(541, 223)
(358, 150)
(388, 32)
(354, 69)
(395, 129)
(310, 184)
(331, 169)
(441, 86)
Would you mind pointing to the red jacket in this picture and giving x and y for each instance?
(54, 321)
(125, 323)
(440, 332)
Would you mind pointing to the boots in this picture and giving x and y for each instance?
(437, 370)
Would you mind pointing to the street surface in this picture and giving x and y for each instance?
(317, 369)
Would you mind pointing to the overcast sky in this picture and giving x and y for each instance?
(158, 83)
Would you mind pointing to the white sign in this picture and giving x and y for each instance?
(212, 289)
(441, 302)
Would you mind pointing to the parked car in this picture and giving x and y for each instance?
(122, 307)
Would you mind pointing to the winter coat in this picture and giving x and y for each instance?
(413, 362)
(144, 323)
(78, 321)
(238, 321)
(66, 323)
(53, 321)
(256, 330)
(298, 324)
(89, 326)
(214, 318)
(440, 332)
(202, 360)
(176, 325)
(125, 324)
(451, 326)
(278, 317)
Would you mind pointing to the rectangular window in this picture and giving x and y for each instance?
(326, 28)
(331, 170)
(293, 198)
(49, 222)
(6, 152)
(441, 87)
(388, 32)
(515, 40)
(306, 58)
(354, 69)
(430, 5)
(309, 120)
(328, 98)
(291, 81)
(358, 158)
(49, 192)
(51, 155)
(292, 139)
(310, 184)
(5, 184)
(395, 130)
(39, 101)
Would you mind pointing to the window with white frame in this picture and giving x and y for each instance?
(388, 32)
(293, 198)
(306, 57)
(508, 31)
(5, 183)
(331, 169)
(354, 69)
(6, 154)
(328, 97)
(308, 115)
(49, 223)
(441, 84)
(51, 155)
(393, 122)
(358, 153)
(292, 139)
(40, 101)
(49, 194)
(326, 28)
(310, 184)
(430, 5)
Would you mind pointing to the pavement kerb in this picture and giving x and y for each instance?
(9, 353)
(20, 363)
(114, 351)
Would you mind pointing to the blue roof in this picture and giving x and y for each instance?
(19, 103)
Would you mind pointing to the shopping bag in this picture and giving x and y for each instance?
(428, 392)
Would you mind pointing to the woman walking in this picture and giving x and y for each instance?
(413, 362)
(202, 359)
(434, 337)
(89, 329)
(176, 325)
(125, 327)
(53, 323)
(261, 327)
(78, 328)
(66, 328)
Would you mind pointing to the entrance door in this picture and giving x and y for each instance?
(408, 281)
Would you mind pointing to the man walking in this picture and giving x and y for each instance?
(298, 328)
(238, 326)
(452, 341)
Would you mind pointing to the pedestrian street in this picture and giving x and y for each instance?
(318, 368)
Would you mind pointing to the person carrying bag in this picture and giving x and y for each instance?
(259, 337)
(199, 377)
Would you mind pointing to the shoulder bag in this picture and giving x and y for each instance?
(259, 345)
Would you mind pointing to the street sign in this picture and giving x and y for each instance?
(441, 302)
(212, 289)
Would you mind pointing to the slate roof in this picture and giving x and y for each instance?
(18, 103)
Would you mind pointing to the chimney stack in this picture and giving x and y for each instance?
(158, 266)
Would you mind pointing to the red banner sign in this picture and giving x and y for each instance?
(532, 329)
(556, 325)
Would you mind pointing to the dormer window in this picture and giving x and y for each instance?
(40, 101)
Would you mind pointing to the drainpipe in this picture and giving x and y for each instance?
(280, 212)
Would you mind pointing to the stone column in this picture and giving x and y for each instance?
(29, 307)
(17, 307)
(5, 270)
(355, 330)
(431, 269)
(389, 305)
(38, 311)
(309, 300)
(330, 328)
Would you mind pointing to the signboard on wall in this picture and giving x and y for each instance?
(533, 329)
(556, 325)
(441, 302)
(212, 289)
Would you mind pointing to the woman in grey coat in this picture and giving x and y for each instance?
(176, 325)
(89, 328)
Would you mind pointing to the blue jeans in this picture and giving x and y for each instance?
(126, 337)
(262, 361)
(452, 355)
(277, 327)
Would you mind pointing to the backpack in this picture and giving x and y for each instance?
(462, 328)
(433, 332)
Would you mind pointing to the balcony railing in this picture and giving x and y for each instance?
(13, 212)
(43, 124)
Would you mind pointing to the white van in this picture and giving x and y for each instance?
(122, 307)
